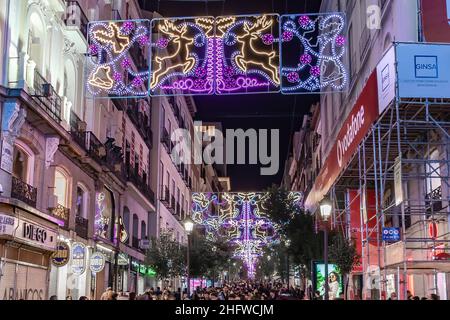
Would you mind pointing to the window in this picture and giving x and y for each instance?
(126, 221)
(21, 162)
(135, 230)
(143, 230)
(81, 202)
(61, 187)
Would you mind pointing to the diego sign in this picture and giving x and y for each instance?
(78, 258)
(97, 262)
(62, 254)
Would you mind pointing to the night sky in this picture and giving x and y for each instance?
(265, 111)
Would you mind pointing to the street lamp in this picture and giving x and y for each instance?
(188, 227)
(325, 212)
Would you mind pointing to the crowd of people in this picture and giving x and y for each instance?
(243, 290)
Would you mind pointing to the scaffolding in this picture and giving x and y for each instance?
(403, 164)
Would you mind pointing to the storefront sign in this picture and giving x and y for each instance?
(62, 254)
(122, 259)
(423, 70)
(78, 258)
(436, 20)
(391, 234)
(354, 129)
(386, 77)
(97, 262)
(36, 234)
(7, 224)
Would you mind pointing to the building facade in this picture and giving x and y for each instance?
(385, 152)
(85, 183)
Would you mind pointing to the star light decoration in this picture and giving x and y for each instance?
(320, 40)
(111, 70)
(241, 218)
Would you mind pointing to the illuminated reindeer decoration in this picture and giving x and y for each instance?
(182, 51)
(249, 55)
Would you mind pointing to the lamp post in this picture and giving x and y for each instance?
(188, 227)
(325, 212)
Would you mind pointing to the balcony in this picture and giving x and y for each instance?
(62, 213)
(172, 206)
(135, 242)
(140, 120)
(140, 182)
(94, 147)
(165, 196)
(137, 54)
(46, 96)
(77, 129)
(165, 139)
(75, 19)
(23, 192)
(178, 211)
(81, 226)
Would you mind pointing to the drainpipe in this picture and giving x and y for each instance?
(5, 45)
(421, 37)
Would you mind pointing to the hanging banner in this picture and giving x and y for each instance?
(62, 254)
(97, 262)
(422, 70)
(387, 79)
(398, 184)
(78, 262)
(354, 129)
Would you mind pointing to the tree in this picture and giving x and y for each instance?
(166, 256)
(208, 258)
(297, 226)
(344, 254)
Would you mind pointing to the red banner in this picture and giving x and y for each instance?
(436, 20)
(356, 218)
(359, 121)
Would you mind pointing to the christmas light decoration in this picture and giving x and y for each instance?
(241, 218)
(182, 56)
(111, 72)
(320, 40)
(249, 45)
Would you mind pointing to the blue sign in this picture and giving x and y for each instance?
(97, 262)
(391, 234)
(78, 258)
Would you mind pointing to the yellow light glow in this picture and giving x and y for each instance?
(112, 36)
(223, 24)
(183, 51)
(247, 49)
(207, 24)
(97, 80)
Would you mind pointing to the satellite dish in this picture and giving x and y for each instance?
(372, 277)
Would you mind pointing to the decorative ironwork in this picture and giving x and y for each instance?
(75, 17)
(61, 213)
(81, 226)
(47, 97)
(23, 192)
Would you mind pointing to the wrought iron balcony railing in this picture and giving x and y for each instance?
(141, 183)
(61, 213)
(81, 226)
(94, 147)
(24, 192)
(135, 242)
(77, 129)
(46, 96)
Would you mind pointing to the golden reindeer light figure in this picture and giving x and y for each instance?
(182, 51)
(250, 56)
